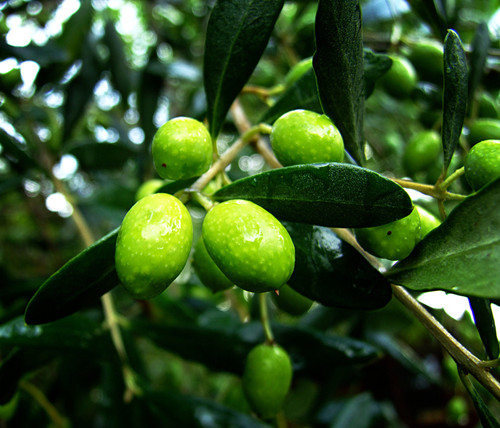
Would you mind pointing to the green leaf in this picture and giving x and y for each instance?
(375, 65)
(20, 159)
(302, 94)
(121, 74)
(454, 94)
(237, 34)
(185, 411)
(338, 63)
(486, 416)
(331, 272)
(99, 156)
(485, 324)
(330, 194)
(79, 282)
(477, 60)
(462, 255)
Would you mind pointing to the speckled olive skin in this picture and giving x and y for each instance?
(249, 245)
(182, 148)
(266, 379)
(393, 241)
(303, 136)
(209, 273)
(153, 244)
(482, 163)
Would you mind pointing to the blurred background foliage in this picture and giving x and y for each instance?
(83, 87)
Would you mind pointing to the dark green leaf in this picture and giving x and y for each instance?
(330, 194)
(375, 65)
(338, 63)
(331, 272)
(237, 34)
(454, 94)
(20, 159)
(486, 416)
(431, 12)
(72, 334)
(121, 74)
(462, 255)
(485, 324)
(477, 59)
(302, 94)
(97, 156)
(79, 282)
(81, 88)
(225, 345)
(184, 411)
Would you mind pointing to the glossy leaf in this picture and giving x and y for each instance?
(485, 324)
(237, 34)
(338, 63)
(462, 255)
(330, 194)
(185, 411)
(223, 346)
(454, 94)
(79, 282)
(98, 156)
(302, 94)
(477, 60)
(331, 272)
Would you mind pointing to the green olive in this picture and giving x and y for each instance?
(303, 136)
(482, 163)
(209, 273)
(291, 302)
(393, 241)
(428, 221)
(401, 79)
(427, 58)
(422, 151)
(153, 245)
(484, 129)
(148, 188)
(182, 148)
(266, 379)
(249, 245)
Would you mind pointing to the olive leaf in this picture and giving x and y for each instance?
(237, 34)
(462, 255)
(331, 272)
(485, 324)
(478, 57)
(454, 94)
(338, 64)
(329, 194)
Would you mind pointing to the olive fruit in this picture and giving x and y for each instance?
(428, 221)
(182, 148)
(303, 136)
(484, 129)
(393, 241)
(427, 58)
(148, 188)
(401, 79)
(266, 379)
(297, 71)
(482, 163)
(153, 244)
(209, 273)
(291, 302)
(421, 151)
(249, 245)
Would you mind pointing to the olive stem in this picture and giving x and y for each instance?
(281, 420)
(451, 178)
(429, 189)
(203, 200)
(57, 419)
(264, 318)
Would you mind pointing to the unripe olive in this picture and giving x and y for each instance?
(148, 188)
(401, 79)
(393, 241)
(182, 148)
(266, 379)
(291, 302)
(482, 163)
(153, 244)
(484, 129)
(422, 151)
(427, 58)
(428, 221)
(209, 273)
(303, 136)
(297, 71)
(250, 246)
